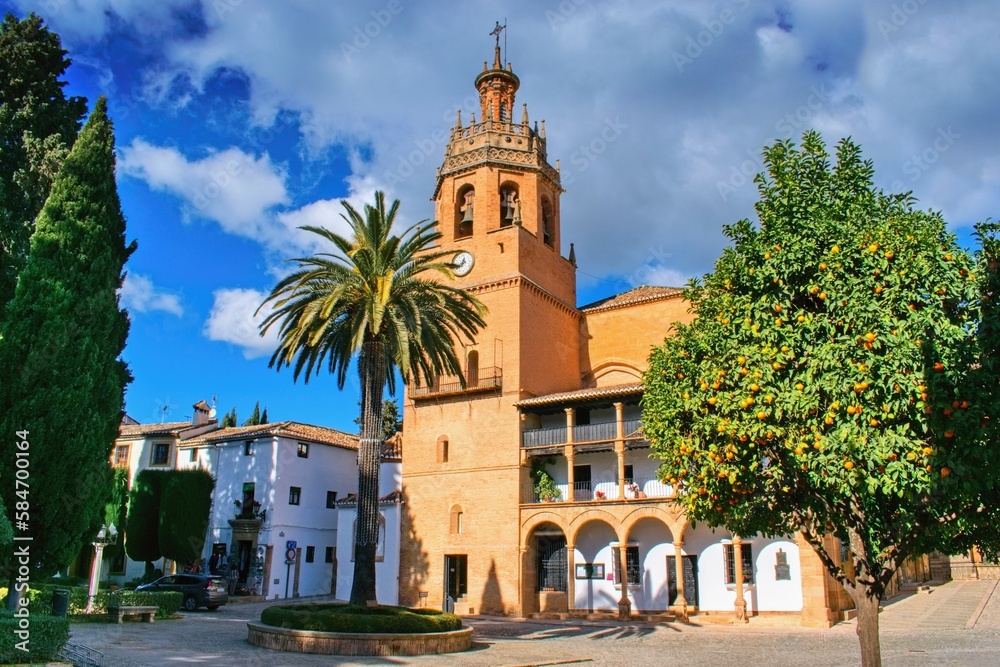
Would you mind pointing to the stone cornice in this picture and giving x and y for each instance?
(518, 280)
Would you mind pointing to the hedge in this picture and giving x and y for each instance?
(40, 599)
(185, 509)
(48, 634)
(355, 618)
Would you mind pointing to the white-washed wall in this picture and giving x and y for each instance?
(386, 570)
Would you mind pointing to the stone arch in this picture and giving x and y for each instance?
(547, 221)
(625, 371)
(455, 520)
(536, 520)
(589, 515)
(649, 512)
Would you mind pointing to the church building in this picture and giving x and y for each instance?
(555, 388)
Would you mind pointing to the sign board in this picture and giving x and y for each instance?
(290, 556)
(290, 544)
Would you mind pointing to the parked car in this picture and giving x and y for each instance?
(199, 590)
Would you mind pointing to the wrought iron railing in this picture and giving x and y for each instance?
(600, 432)
(482, 379)
(637, 489)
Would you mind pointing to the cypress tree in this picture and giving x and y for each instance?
(38, 125)
(142, 541)
(185, 506)
(63, 336)
(254, 417)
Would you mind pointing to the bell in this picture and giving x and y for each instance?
(468, 214)
(508, 213)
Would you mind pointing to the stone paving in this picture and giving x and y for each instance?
(956, 624)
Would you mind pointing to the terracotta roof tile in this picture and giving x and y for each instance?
(166, 428)
(288, 429)
(581, 395)
(352, 498)
(640, 294)
(393, 447)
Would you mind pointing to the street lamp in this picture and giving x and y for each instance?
(105, 536)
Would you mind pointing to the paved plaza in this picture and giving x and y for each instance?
(957, 623)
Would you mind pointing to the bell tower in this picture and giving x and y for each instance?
(496, 177)
(496, 199)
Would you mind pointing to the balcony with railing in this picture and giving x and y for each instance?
(585, 492)
(487, 378)
(582, 434)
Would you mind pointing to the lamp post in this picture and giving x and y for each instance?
(105, 536)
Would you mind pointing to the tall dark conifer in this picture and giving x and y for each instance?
(64, 332)
(38, 125)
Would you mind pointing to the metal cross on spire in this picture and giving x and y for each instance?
(497, 30)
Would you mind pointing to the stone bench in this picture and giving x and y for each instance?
(117, 612)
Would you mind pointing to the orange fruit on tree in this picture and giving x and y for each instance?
(849, 465)
(945, 472)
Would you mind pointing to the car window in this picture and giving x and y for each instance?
(219, 581)
(166, 581)
(186, 580)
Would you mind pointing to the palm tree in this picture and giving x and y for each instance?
(384, 299)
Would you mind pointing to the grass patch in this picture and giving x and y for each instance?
(355, 618)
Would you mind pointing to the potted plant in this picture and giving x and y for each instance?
(599, 495)
(546, 489)
(633, 490)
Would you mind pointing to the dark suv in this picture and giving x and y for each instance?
(199, 590)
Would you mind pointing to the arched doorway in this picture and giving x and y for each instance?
(594, 584)
(547, 567)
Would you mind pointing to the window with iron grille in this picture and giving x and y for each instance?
(329, 554)
(161, 454)
(310, 554)
(303, 450)
(121, 456)
(747, 552)
(552, 563)
(331, 500)
(631, 565)
(294, 495)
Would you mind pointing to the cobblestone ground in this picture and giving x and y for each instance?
(957, 624)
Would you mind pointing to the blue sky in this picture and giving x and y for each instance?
(239, 120)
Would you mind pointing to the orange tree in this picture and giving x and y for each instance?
(832, 382)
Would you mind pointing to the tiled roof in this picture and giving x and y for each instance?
(393, 447)
(287, 429)
(352, 498)
(640, 294)
(140, 430)
(582, 395)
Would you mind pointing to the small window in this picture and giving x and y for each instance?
(161, 454)
(193, 455)
(303, 450)
(628, 474)
(631, 565)
(464, 206)
(248, 448)
(121, 456)
(455, 523)
(310, 554)
(442, 449)
(331, 500)
(329, 554)
(747, 552)
(294, 495)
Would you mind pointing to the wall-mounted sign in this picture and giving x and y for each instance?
(290, 544)
(782, 571)
(590, 571)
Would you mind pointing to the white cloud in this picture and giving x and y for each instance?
(139, 295)
(234, 320)
(231, 187)
(353, 77)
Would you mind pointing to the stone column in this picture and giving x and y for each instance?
(624, 605)
(95, 575)
(570, 456)
(620, 448)
(740, 610)
(571, 578)
(681, 602)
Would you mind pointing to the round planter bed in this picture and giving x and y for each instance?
(338, 629)
(350, 643)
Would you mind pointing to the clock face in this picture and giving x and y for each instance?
(463, 262)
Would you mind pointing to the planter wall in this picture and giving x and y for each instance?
(342, 643)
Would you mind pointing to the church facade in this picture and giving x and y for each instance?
(530, 489)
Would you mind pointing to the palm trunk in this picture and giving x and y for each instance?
(371, 367)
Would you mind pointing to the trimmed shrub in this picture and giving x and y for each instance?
(185, 505)
(143, 524)
(355, 618)
(40, 598)
(48, 634)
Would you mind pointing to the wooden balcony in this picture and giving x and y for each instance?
(604, 432)
(489, 378)
(588, 492)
